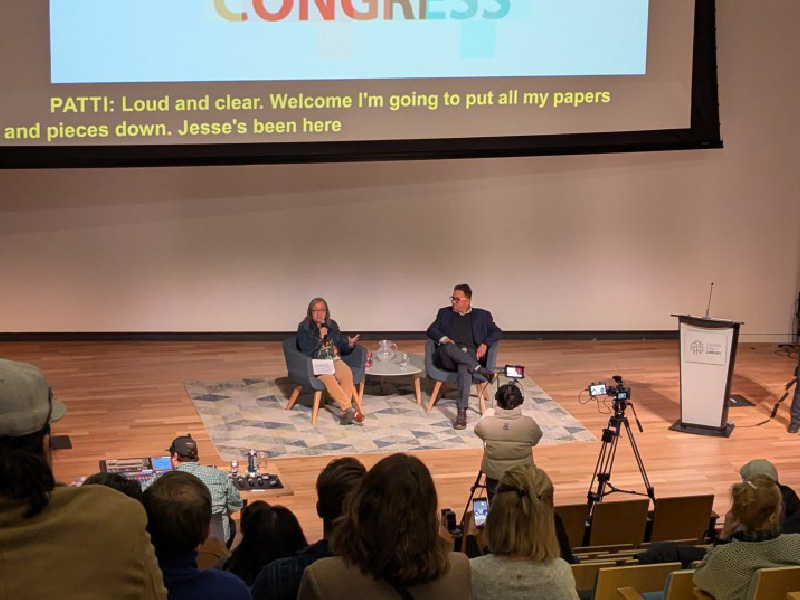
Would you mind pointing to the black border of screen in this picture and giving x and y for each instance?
(704, 132)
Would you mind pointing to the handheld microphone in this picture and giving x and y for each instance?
(708, 308)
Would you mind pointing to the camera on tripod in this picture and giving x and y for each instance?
(618, 392)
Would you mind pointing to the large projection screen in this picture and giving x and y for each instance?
(137, 82)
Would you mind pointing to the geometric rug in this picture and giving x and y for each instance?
(248, 414)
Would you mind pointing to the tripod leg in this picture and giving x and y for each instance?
(639, 461)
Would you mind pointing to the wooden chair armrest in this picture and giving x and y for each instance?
(628, 593)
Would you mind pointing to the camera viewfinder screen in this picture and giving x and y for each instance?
(597, 390)
(515, 371)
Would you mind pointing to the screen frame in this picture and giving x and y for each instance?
(703, 133)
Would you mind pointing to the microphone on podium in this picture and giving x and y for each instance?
(708, 308)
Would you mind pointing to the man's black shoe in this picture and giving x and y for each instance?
(489, 375)
(461, 419)
(794, 427)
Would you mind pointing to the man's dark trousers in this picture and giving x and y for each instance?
(454, 358)
(795, 408)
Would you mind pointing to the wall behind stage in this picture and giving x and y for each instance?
(613, 242)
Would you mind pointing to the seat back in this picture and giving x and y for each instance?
(216, 529)
(775, 582)
(683, 518)
(680, 585)
(573, 516)
(642, 578)
(620, 522)
(585, 574)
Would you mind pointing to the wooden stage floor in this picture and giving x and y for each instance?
(127, 399)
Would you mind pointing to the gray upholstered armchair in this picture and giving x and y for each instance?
(441, 376)
(301, 373)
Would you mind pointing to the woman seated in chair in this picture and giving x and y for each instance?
(508, 436)
(525, 560)
(318, 336)
(728, 570)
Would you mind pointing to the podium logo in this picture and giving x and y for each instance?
(696, 347)
(366, 10)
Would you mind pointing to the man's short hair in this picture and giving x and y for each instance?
(178, 507)
(130, 487)
(464, 287)
(335, 483)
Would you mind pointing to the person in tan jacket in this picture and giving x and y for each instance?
(387, 543)
(58, 541)
(508, 436)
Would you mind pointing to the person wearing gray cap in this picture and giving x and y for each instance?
(90, 542)
(790, 513)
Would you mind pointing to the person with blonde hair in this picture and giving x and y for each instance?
(727, 571)
(520, 531)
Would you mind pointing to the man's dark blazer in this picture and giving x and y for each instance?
(484, 330)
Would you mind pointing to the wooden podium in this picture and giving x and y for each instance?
(708, 353)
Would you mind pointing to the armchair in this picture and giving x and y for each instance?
(441, 376)
(301, 374)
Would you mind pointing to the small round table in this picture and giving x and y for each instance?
(392, 368)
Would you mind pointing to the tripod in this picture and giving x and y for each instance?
(605, 461)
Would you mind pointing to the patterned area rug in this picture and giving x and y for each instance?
(249, 414)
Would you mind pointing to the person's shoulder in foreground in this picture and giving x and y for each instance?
(336, 579)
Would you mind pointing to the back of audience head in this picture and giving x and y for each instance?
(268, 533)
(178, 507)
(390, 526)
(334, 484)
(520, 523)
(183, 449)
(129, 487)
(759, 466)
(508, 396)
(27, 408)
(756, 503)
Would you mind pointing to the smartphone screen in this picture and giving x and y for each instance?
(480, 508)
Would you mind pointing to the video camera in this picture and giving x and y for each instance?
(618, 391)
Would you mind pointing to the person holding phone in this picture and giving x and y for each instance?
(508, 436)
(524, 561)
(319, 336)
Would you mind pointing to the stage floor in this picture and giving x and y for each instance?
(127, 399)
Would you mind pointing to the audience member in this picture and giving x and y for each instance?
(753, 522)
(790, 513)
(520, 531)
(178, 509)
(508, 436)
(280, 580)
(544, 485)
(268, 532)
(225, 499)
(130, 487)
(387, 542)
(58, 541)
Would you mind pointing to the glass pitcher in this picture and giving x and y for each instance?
(386, 350)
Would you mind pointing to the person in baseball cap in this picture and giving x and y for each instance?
(92, 540)
(27, 404)
(790, 515)
(184, 447)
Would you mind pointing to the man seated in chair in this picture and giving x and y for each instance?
(463, 335)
